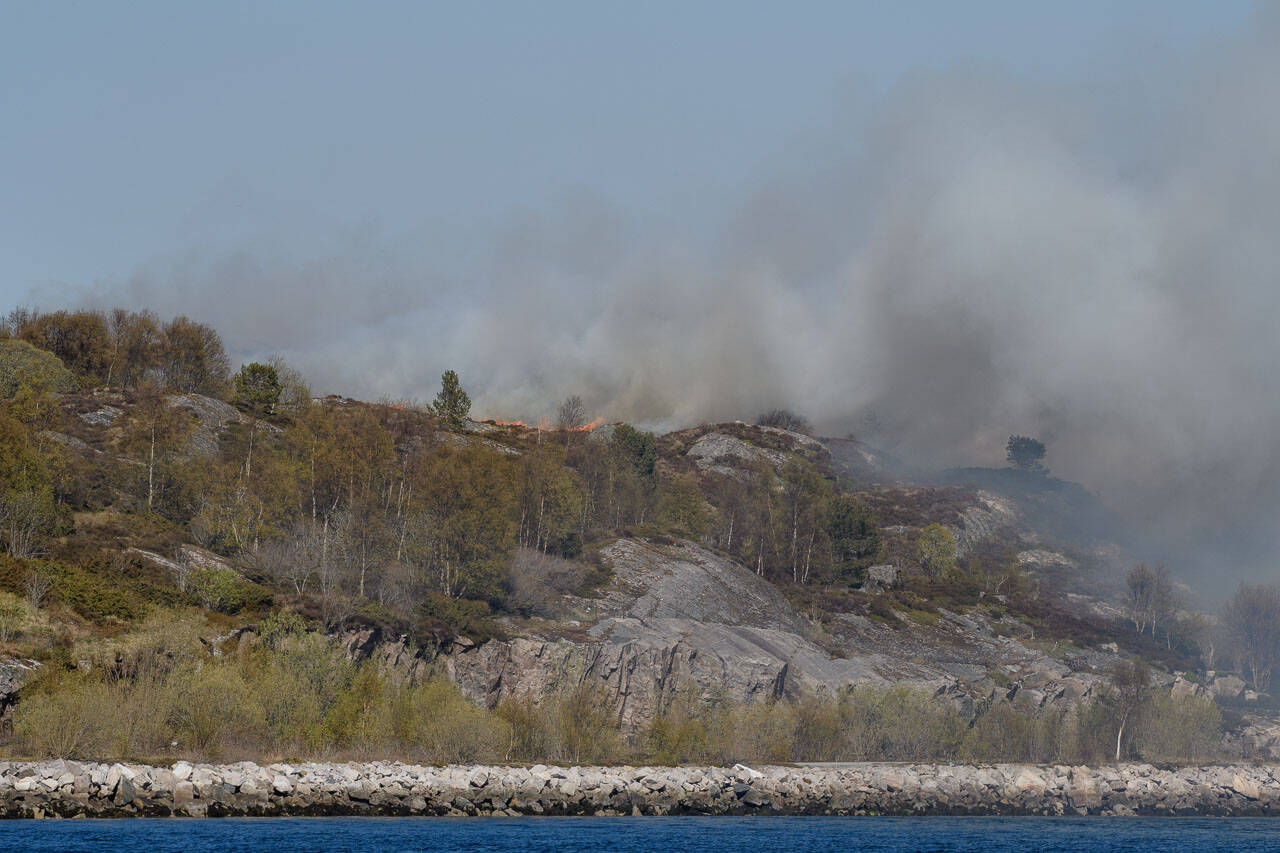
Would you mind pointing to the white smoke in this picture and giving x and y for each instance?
(974, 256)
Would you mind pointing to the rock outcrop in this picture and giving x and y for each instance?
(69, 789)
(677, 619)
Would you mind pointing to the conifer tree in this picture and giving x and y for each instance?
(452, 405)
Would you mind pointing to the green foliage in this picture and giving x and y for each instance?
(638, 449)
(1008, 733)
(279, 627)
(936, 550)
(96, 596)
(1188, 728)
(550, 501)
(23, 365)
(257, 388)
(1025, 453)
(451, 405)
(22, 466)
(64, 723)
(223, 590)
(855, 537)
(575, 727)
(682, 508)
(444, 618)
(12, 614)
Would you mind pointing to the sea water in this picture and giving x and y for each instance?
(625, 835)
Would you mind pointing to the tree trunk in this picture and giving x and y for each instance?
(151, 468)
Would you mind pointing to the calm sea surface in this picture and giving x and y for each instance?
(624, 835)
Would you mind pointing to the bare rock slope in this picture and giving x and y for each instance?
(679, 619)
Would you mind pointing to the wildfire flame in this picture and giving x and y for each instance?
(589, 427)
(544, 425)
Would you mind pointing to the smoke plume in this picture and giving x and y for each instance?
(973, 255)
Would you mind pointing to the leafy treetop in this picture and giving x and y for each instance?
(1025, 453)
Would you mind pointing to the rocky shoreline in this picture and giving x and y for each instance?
(82, 789)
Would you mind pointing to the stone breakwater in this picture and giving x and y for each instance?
(71, 789)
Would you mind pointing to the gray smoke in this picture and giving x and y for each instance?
(973, 255)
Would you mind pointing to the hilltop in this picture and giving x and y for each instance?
(234, 565)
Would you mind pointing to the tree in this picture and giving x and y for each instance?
(452, 405)
(79, 338)
(936, 549)
(295, 393)
(634, 458)
(682, 508)
(1251, 618)
(24, 517)
(1025, 453)
(804, 496)
(257, 389)
(154, 429)
(257, 392)
(572, 414)
(784, 419)
(1130, 682)
(192, 358)
(23, 365)
(1164, 604)
(1139, 582)
(854, 533)
(135, 346)
(550, 499)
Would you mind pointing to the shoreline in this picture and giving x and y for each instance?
(87, 789)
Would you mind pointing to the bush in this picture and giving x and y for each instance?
(278, 627)
(1184, 729)
(213, 707)
(63, 723)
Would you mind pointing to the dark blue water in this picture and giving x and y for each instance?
(641, 835)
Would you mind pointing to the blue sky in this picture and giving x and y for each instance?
(141, 129)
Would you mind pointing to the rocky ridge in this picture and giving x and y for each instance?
(70, 789)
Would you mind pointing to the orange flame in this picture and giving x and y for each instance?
(544, 425)
(589, 427)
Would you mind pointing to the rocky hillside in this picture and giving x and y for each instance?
(726, 565)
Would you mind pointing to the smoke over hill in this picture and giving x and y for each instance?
(970, 256)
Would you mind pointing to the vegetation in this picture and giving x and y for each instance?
(784, 419)
(452, 405)
(292, 695)
(1025, 453)
(151, 502)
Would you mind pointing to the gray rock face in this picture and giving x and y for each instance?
(14, 673)
(678, 619)
(68, 789)
(714, 449)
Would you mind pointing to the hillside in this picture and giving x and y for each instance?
(235, 566)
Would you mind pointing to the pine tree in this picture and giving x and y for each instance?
(452, 405)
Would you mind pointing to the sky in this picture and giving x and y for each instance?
(966, 219)
(139, 130)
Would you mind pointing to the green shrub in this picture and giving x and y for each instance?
(277, 628)
(1177, 730)
(63, 723)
